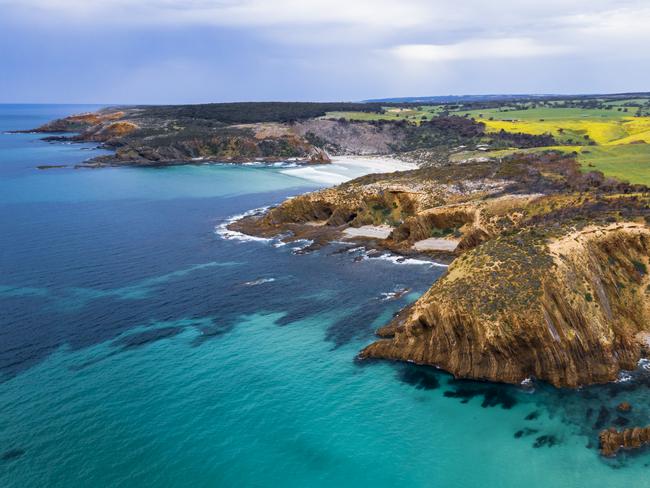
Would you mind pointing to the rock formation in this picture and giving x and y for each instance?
(570, 310)
(624, 407)
(612, 440)
(550, 278)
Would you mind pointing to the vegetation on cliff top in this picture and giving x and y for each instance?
(610, 134)
(549, 281)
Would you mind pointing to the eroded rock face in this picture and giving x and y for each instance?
(565, 310)
(624, 407)
(612, 440)
(550, 278)
(146, 140)
(81, 122)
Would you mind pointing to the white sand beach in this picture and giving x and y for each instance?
(370, 231)
(436, 244)
(344, 168)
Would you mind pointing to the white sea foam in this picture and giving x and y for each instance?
(528, 385)
(395, 259)
(259, 281)
(354, 249)
(279, 164)
(393, 295)
(224, 232)
(624, 377)
(303, 244)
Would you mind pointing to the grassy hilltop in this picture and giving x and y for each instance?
(609, 135)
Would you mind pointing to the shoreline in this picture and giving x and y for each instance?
(345, 168)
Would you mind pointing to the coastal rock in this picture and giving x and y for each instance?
(566, 310)
(160, 136)
(535, 291)
(80, 122)
(612, 440)
(624, 407)
(110, 130)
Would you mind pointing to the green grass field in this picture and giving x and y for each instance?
(630, 162)
(550, 114)
(613, 141)
(414, 115)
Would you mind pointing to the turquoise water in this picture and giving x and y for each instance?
(140, 348)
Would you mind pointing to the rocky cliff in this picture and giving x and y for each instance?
(571, 311)
(305, 132)
(139, 139)
(550, 278)
(169, 135)
(612, 440)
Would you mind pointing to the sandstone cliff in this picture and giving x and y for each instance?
(159, 136)
(612, 440)
(550, 278)
(570, 310)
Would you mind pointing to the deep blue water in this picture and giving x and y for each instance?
(140, 348)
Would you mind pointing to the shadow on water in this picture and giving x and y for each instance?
(584, 412)
(11, 455)
(420, 377)
(137, 271)
(147, 337)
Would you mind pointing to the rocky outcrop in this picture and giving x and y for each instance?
(80, 122)
(571, 310)
(164, 135)
(111, 130)
(624, 407)
(141, 139)
(410, 205)
(551, 284)
(612, 440)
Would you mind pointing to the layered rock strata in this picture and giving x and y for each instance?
(612, 441)
(550, 275)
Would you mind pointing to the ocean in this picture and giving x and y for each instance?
(140, 345)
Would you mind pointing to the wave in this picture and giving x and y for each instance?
(345, 168)
(624, 377)
(304, 244)
(644, 364)
(398, 292)
(224, 232)
(396, 259)
(279, 164)
(228, 234)
(259, 281)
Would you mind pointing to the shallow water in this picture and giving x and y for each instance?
(138, 347)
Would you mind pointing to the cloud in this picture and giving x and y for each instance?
(476, 49)
(373, 13)
(622, 23)
(318, 49)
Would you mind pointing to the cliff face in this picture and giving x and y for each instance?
(156, 136)
(612, 440)
(571, 310)
(550, 277)
(239, 132)
(141, 140)
(81, 122)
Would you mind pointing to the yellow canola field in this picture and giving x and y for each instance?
(605, 132)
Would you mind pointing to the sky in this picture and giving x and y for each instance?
(196, 51)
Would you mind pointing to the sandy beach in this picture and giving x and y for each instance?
(344, 168)
(436, 244)
(370, 231)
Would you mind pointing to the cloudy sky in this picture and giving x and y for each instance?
(178, 51)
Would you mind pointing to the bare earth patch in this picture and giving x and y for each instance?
(370, 231)
(436, 244)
